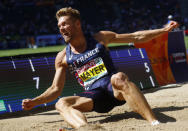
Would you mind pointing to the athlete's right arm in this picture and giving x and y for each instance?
(56, 88)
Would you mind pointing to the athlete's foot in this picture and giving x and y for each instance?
(155, 122)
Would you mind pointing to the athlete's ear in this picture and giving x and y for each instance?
(78, 23)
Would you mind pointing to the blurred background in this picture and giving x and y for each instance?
(32, 23)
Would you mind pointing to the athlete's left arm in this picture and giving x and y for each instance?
(107, 37)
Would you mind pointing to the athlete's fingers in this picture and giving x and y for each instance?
(27, 106)
(171, 25)
(25, 102)
(174, 24)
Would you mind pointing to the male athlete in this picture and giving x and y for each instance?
(92, 66)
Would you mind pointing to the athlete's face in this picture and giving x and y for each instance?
(67, 28)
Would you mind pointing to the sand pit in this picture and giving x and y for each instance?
(170, 104)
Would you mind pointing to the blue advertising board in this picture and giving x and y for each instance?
(28, 76)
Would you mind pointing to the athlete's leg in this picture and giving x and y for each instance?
(71, 108)
(127, 90)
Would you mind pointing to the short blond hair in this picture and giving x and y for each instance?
(68, 11)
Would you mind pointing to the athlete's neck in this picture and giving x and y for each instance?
(78, 45)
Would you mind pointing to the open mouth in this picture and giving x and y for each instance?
(65, 34)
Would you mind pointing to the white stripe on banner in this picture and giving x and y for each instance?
(46, 60)
(129, 52)
(13, 64)
(9, 107)
(152, 82)
(141, 53)
(117, 53)
(32, 67)
(141, 85)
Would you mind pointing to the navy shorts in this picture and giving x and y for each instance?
(103, 98)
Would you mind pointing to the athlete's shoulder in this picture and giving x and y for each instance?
(61, 59)
(104, 36)
(99, 36)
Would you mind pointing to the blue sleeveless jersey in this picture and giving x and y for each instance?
(92, 68)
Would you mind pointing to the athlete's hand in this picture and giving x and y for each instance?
(28, 104)
(170, 26)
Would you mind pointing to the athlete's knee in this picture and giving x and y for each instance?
(119, 80)
(61, 103)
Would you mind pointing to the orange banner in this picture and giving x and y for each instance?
(157, 51)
